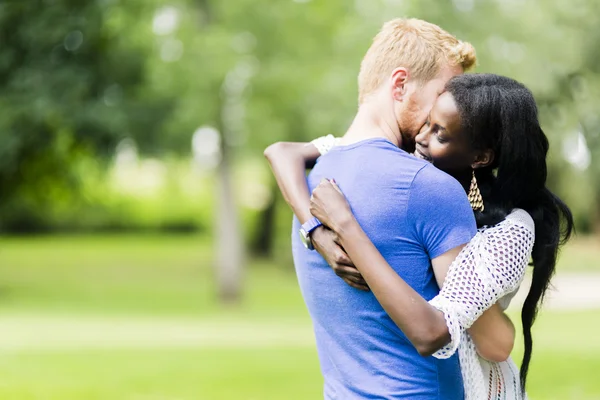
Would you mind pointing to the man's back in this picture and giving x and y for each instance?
(363, 354)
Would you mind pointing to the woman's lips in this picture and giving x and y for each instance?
(420, 155)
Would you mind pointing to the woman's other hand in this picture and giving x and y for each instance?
(330, 206)
(326, 243)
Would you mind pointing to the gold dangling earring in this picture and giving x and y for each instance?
(475, 195)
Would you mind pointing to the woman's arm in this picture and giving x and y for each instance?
(426, 327)
(492, 266)
(423, 324)
(493, 334)
(289, 162)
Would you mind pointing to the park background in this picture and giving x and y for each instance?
(144, 248)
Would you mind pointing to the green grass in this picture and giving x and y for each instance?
(580, 254)
(158, 274)
(565, 358)
(153, 274)
(165, 278)
(565, 367)
(261, 374)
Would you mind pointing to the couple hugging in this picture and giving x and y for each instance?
(417, 226)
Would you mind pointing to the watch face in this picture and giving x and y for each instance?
(305, 239)
(303, 236)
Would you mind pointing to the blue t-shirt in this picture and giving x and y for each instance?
(412, 212)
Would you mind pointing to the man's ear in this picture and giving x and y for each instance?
(483, 159)
(399, 80)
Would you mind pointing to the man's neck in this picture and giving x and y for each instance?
(369, 123)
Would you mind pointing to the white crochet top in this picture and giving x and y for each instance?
(325, 143)
(488, 270)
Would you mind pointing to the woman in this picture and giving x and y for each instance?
(484, 131)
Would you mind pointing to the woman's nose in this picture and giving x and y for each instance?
(423, 137)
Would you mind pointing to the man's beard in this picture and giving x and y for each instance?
(408, 142)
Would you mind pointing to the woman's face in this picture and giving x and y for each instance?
(442, 141)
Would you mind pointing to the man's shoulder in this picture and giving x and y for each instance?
(434, 189)
(429, 177)
(379, 151)
(374, 154)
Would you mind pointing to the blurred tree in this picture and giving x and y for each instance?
(226, 83)
(69, 82)
(304, 85)
(77, 77)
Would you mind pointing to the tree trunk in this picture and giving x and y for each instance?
(229, 240)
(262, 242)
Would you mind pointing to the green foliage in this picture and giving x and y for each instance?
(69, 85)
(78, 77)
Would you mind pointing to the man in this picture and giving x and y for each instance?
(411, 211)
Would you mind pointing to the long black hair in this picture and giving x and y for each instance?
(500, 113)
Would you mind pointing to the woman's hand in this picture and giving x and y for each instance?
(324, 240)
(330, 206)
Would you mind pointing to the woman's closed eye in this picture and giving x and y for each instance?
(439, 133)
(440, 137)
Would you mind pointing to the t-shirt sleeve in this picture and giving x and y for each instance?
(439, 211)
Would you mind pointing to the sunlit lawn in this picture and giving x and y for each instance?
(149, 274)
(271, 373)
(162, 277)
(565, 366)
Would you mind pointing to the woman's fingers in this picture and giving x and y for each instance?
(343, 270)
(326, 185)
(352, 277)
(340, 256)
(364, 287)
(336, 187)
(357, 280)
(325, 189)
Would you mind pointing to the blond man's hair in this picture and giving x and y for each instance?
(421, 47)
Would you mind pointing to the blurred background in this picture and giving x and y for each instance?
(144, 248)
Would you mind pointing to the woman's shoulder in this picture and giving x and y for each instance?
(517, 216)
(521, 217)
(518, 225)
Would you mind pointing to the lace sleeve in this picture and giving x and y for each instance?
(491, 266)
(325, 143)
